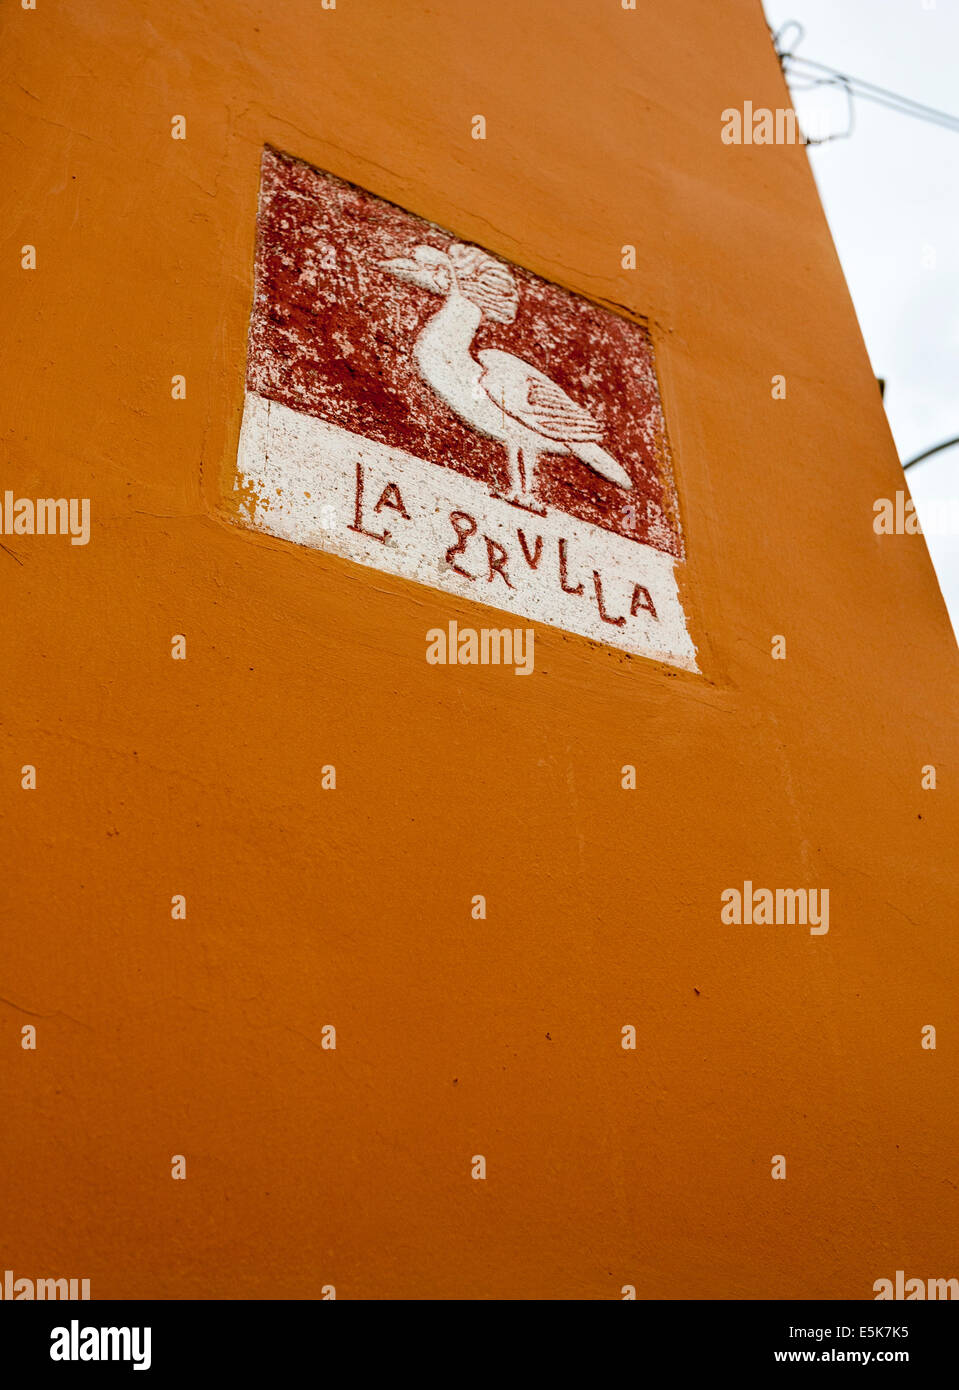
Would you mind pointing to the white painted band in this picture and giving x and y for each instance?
(303, 473)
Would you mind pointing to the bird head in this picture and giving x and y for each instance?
(427, 268)
(474, 274)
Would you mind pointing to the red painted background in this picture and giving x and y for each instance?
(332, 335)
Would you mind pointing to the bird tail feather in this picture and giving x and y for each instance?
(601, 462)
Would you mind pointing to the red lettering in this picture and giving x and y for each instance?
(392, 497)
(358, 514)
(598, 585)
(531, 560)
(460, 521)
(496, 561)
(562, 572)
(637, 602)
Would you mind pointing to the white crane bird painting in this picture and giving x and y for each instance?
(416, 405)
(497, 394)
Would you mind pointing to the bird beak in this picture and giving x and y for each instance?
(411, 271)
(414, 273)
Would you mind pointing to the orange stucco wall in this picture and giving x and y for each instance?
(309, 1167)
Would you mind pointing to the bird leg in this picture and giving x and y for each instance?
(525, 473)
(521, 476)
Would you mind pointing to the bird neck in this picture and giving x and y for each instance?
(453, 328)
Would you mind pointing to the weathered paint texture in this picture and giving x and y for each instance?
(159, 1035)
(332, 333)
(378, 366)
(318, 485)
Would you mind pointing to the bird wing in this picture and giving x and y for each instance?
(538, 403)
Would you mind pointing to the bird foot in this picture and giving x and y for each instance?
(525, 503)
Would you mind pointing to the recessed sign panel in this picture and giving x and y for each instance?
(421, 406)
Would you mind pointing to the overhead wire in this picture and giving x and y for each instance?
(927, 453)
(793, 64)
(807, 70)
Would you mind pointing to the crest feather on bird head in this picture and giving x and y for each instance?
(488, 283)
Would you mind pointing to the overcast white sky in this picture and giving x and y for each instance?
(891, 194)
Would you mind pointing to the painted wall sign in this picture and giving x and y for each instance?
(420, 406)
